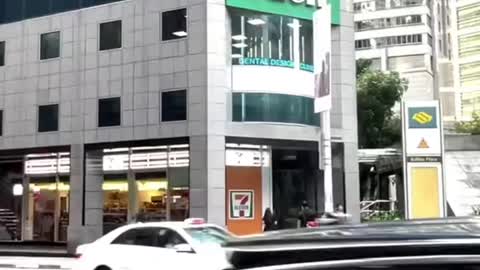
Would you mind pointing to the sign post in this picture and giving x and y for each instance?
(423, 160)
(322, 33)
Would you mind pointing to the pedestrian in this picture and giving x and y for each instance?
(268, 220)
(305, 215)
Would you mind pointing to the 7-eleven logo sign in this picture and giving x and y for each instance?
(241, 204)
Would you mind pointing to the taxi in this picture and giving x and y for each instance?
(158, 245)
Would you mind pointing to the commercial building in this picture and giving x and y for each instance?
(466, 57)
(167, 109)
(407, 36)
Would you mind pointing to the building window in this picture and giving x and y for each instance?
(2, 53)
(275, 108)
(174, 24)
(268, 40)
(109, 112)
(48, 118)
(50, 45)
(398, 40)
(110, 35)
(388, 22)
(362, 44)
(174, 106)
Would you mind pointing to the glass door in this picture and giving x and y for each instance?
(49, 201)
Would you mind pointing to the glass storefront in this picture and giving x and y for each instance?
(48, 214)
(157, 189)
(140, 184)
(271, 40)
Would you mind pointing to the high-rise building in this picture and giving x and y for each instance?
(466, 56)
(407, 36)
(169, 109)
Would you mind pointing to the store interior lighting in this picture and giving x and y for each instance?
(294, 25)
(180, 34)
(240, 45)
(237, 56)
(17, 190)
(239, 37)
(256, 21)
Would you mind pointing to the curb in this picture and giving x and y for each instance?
(31, 266)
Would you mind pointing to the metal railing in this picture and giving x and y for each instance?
(370, 209)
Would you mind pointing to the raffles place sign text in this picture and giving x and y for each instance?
(302, 9)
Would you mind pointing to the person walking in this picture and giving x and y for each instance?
(305, 215)
(268, 220)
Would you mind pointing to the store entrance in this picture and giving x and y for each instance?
(295, 179)
(49, 207)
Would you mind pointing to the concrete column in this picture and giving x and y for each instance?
(75, 227)
(93, 195)
(209, 84)
(132, 195)
(344, 113)
(27, 219)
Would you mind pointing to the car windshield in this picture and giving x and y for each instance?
(208, 235)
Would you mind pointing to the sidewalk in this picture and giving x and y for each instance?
(36, 263)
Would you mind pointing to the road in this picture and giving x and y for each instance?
(35, 263)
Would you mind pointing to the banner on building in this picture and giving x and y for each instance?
(241, 204)
(423, 160)
(322, 35)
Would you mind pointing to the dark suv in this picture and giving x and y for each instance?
(420, 245)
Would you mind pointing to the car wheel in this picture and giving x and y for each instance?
(103, 268)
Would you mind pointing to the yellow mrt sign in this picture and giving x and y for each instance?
(422, 118)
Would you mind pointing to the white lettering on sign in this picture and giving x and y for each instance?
(315, 3)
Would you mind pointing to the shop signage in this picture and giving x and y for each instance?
(257, 61)
(302, 9)
(241, 204)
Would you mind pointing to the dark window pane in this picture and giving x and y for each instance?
(50, 45)
(174, 106)
(237, 107)
(36, 8)
(2, 53)
(174, 24)
(111, 35)
(10, 10)
(90, 3)
(260, 107)
(48, 118)
(1, 122)
(109, 112)
(64, 5)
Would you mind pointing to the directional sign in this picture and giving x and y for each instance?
(423, 166)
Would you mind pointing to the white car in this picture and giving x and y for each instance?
(164, 245)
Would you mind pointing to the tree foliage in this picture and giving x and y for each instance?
(471, 127)
(377, 93)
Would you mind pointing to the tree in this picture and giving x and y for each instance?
(377, 93)
(471, 127)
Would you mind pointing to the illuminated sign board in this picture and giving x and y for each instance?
(301, 9)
